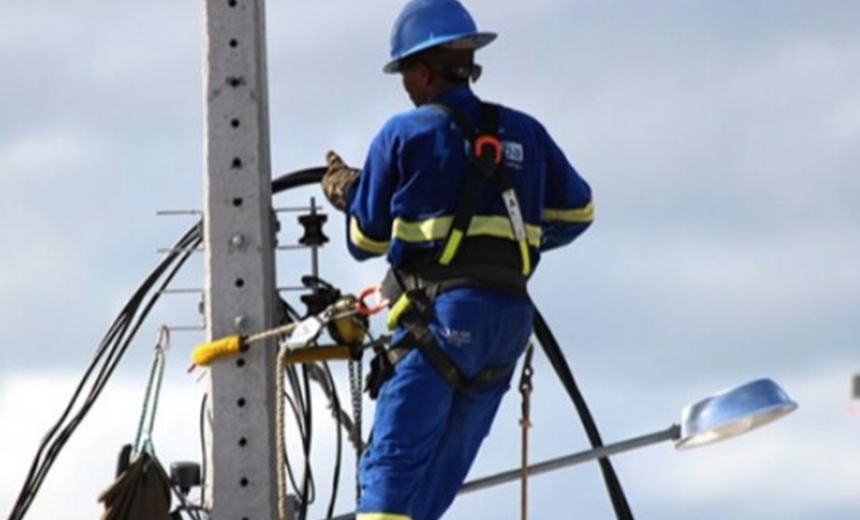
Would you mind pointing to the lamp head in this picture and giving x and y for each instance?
(733, 412)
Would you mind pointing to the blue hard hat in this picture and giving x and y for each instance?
(427, 23)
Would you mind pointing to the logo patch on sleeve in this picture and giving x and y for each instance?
(513, 154)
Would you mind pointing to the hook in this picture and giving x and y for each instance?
(162, 339)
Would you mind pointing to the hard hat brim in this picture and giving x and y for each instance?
(472, 41)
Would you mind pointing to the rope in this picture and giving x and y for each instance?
(143, 439)
(525, 423)
(280, 443)
(288, 348)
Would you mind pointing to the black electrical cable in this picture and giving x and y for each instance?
(108, 354)
(334, 399)
(299, 405)
(562, 369)
(302, 409)
(308, 491)
(290, 474)
(192, 510)
(115, 343)
(298, 178)
(203, 457)
(321, 374)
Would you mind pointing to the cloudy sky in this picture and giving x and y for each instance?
(721, 140)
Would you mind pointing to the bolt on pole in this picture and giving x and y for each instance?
(239, 269)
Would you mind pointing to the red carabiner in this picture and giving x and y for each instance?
(362, 309)
(491, 141)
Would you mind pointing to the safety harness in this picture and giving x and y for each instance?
(486, 156)
(462, 261)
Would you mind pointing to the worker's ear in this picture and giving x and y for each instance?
(426, 74)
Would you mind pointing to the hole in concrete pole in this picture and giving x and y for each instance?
(241, 402)
(237, 201)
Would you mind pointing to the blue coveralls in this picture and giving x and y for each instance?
(426, 433)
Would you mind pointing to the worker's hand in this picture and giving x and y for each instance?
(337, 180)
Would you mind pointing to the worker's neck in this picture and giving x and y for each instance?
(437, 89)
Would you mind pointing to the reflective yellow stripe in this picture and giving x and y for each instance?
(437, 228)
(381, 516)
(580, 215)
(357, 237)
(422, 230)
(451, 247)
(527, 261)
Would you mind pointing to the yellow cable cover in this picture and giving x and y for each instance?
(206, 353)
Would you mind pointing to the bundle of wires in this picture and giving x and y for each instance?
(115, 343)
(301, 404)
(297, 393)
(107, 357)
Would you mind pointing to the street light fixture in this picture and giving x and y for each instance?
(732, 413)
(719, 417)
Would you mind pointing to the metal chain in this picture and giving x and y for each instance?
(143, 439)
(525, 423)
(355, 375)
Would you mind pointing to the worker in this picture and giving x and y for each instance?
(462, 197)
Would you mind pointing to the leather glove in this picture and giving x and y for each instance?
(338, 179)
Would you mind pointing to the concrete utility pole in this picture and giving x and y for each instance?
(239, 286)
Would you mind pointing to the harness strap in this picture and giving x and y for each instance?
(486, 155)
(413, 318)
(397, 287)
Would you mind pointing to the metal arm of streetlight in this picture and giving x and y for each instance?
(671, 433)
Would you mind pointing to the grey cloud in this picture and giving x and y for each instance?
(720, 139)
